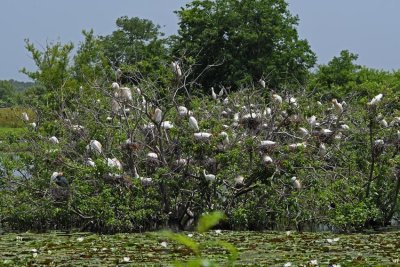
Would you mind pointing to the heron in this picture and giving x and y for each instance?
(53, 140)
(209, 177)
(375, 100)
(193, 123)
(157, 115)
(337, 105)
(95, 146)
(296, 183)
(25, 117)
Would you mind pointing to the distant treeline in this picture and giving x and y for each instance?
(11, 92)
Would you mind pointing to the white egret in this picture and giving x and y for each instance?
(345, 127)
(95, 146)
(152, 156)
(375, 100)
(157, 115)
(326, 132)
(32, 125)
(303, 131)
(115, 86)
(167, 125)
(114, 163)
(213, 94)
(395, 121)
(183, 111)
(296, 183)
(312, 121)
(322, 150)
(277, 99)
(221, 92)
(89, 162)
(193, 123)
(262, 83)
(209, 177)
(239, 180)
(383, 123)
(25, 116)
(53, 140)
(267, 160)
(176, 68)
(125, 94)
(267, 144)
(338, 107)
(202, 136)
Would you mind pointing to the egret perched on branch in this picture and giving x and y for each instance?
(296, 183)
(143, 180)
(277, 99)
(183, 111)
(53, 140)
(25, 117)
(337, 105)
(303, 131)
(176, 68)
(90, 163)
(152, 156)
(225, 140)
(193, 123)
(221, 92)
(115, 86)
(209, 177)
(375, 100)
(167, 125)
(267, 160)
(202, 136)
(262, 83)
(157, 115)
(213, 94)
(114, 163)
(95, 146)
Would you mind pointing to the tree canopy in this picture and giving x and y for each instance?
(246, 40)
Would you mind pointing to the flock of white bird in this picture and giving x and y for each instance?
(249, 117)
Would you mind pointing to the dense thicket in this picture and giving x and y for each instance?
(123, 140)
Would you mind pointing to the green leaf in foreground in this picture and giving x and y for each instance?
(208, 221)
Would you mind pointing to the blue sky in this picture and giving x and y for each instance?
(370, 28)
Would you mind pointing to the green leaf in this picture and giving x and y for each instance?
(184, 240)
(209, 220)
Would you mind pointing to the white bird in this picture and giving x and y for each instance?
(267, 160)
(383, 123)
(322, 150)
(262, 83)
(267, 144)
(337, 105)
(209, 177)
(375, 100)
(303, 131)
(296, 183)
(125, 94)
(297, 145)
(395, 121)
(89, 162)
(95, 146)
(152, 156)
(312, 121)
(345, 127)
(239, 180)
(193, 123)
(221, 92)
(25, 117)
(115, 86)
(53, 140)
(145, 181)
(157, 115)
(183, 111)
(32, 125)
(292, 101)
(277, 99)
(167, 125)
(213, 94)
(115, 106)
(326, 131)
(114, 163)
(202, 136)
(176, 68)
(379, 142)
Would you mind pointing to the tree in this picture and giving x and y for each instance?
(136, 48)
(247, 40)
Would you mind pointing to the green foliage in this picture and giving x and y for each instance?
(238, 42)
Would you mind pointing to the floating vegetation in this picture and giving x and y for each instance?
(150, 249)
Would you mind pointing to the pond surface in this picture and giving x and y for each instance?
(150, 249)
